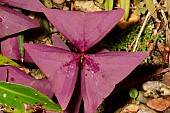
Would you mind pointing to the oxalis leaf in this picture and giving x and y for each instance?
(17, 98)
(99, 71)
(12, 22)
(32, 5)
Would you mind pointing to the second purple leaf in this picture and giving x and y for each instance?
(14, 75)
(9, 48)
(32, 5)
(102, 71)
(60, 66)
(12, 22)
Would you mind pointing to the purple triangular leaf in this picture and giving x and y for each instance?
(57, 42)
(101, 72)
(62, 71)
(32, 5)
(76, 99)
(9, 48)
(84, 30)
(3, 73)
(14, 75)
(12, 22)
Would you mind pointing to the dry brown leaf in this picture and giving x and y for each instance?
(123, 24)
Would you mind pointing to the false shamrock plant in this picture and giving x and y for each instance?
(74, 77)
(86, 76)
(17, 98)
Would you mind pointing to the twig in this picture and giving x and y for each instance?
(167, 32)
(140, 32)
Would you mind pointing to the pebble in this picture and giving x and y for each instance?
(159, 104)
(155, 89)
(152, 85)
(129, 108)
(144, 109)
(141, 97)
(166, 78)
(134, 108)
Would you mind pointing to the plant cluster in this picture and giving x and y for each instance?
(87, 75)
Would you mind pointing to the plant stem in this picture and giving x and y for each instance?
(140, 32)
(167, 32)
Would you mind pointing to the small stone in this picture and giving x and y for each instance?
(158, 104)
(130, 108)
(86, 6)
(166, 78)
(58, 1)
(151, 93)
(155, 89)
(141, 97)
(144, 109)
(165, 91)
(152, 85)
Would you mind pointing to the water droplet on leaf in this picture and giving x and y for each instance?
(36, 94)
(71, 66)
(4, 95)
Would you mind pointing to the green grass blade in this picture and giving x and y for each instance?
(17, 98)
(125, 4)
(20, 45)
(46, 26)
(108, 4)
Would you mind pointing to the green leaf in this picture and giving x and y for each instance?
(125, 4)
(137, 102)
(100, 1)
(19, 99)
(150, 6)
(140, 9)
(108, 4)
(133, 93)
(46, 26)
(6, 61)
